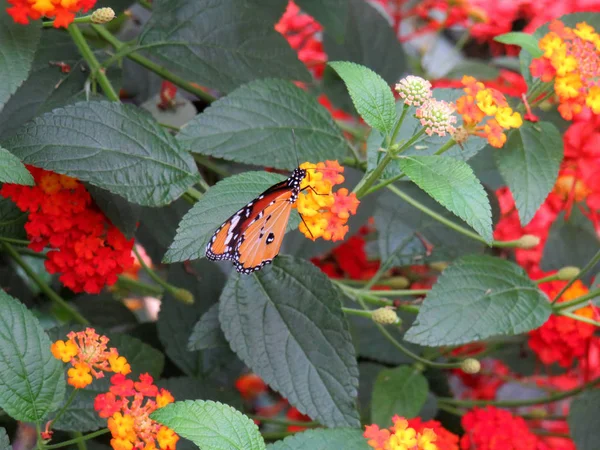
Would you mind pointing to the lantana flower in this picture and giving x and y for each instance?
(88, 353)
(480, 102)
(324, 212)
(437, 116)
(62, 11)
(414, 91)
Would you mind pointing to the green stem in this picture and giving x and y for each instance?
(138, 286)
(14, 241)
(38, 430)
(516, 403)
(357, 312)
(579, 318)
(589, 266)
(43, 286)
(573, 304)
(66, 405)
(82, 19)
(285, 422)
(398, 292)
(169, 127)
(194, 193)
(447, 146)
(356, 132)
(450, 409)
(98, 72)
(150, 65)
(553, 277)
(206, 162)
(79, 439)
(81, 445)
(276, 435)
(551, 433)
(145, 4)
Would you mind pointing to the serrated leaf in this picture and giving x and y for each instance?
(122, 214)
(453, 184)
(12, 220)
(17, 50)
(529, 163)
(346, 439)
(478, 297)
(32, 381)
(80, 415)
(254, 125)
(211, 425)
(571, 242)
(12, 169)
(176, 319)
(332, 14)
(4, 442)
(217, 205)
(371, 95)
(207, 332)
(402, 391)
(524, 40)
(220, 44)
(285, 322)
(113, 146)
(584, 420)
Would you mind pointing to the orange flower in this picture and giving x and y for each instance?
(324, 213)
(572, 59)
(63, 11)
(410, 435)
(480, 102)
(87, 351)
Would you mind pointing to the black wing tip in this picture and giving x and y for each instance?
(249, 270)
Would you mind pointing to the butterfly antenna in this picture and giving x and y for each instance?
(295, 148)
(304, 222)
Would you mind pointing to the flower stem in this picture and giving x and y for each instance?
(573, 304)
(138, 286)
(79, 439)
(152, 66)
(66, 405)
(82, 19)
(580, 318)
(357, 312)
(276, 435)
(98, 72)
(547, 279)
(279, 421)
(43, 286)
(14, 241)
(516, 403)
(589, 266)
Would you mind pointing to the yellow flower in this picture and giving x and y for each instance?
(166, 438)
(119, 364)
(586, 32)
(507, 118)
(551, 43)
(485, 102)
(79, 376)
(65, 351)
(568, 86)
(425, 440)
(593, 99)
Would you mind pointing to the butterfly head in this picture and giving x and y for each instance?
(297, 176)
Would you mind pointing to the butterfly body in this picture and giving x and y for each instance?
(252, 237)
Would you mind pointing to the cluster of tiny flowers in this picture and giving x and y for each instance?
(128, 406)
(87, 250)
(480, 102)
(437, 116)
(324, 212)
(403, 436)
(89, 355)
(491, 428)
(572, 59)
(62, 11)
(414, 90)
(563, 339)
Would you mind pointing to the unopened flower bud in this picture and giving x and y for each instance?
(103, 15)
(568, 273)
(385, 316)
(470, 366)
(538, 413)
(414, 90)
(398, 282)
(439, 266)
(528, 242)
(184, 296)
(437, 117)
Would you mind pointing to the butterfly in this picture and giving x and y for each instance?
(252, 237)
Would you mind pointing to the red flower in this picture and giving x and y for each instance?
(250, 386)
(62, 12)
(445, 440)
(296, 416)
(485, 384)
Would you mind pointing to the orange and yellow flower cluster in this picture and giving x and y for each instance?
(128, 406)
(89, 355)
(63, 11)
(411, 434)
(324, 212)
(572, 59)
(480, 102)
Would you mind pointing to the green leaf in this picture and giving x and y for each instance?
(254, 125)
(192, 388)
(584, 420)
(401, 391)
(332, 14)
(32, 381)
(523, 40)
(113, 146)
(222, 44)
(453, 184)
(371, 95)
(571, 242)
(12, 169)
(17, 50)
(80, 415)
(177, 319)
(217, 205)
(341, 438)
(478, 68)
(207, 332)
(285, 322)
(4, 442)
(122, 214)
(105, 311)
(12, 220)
(211, 425)
(529, 163)
(478, 297)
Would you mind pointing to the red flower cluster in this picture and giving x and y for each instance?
(507, 82)
(562, 339)
(485, 384)
(303, 33)
(491, 428)
(128, 406)
(63, 11)
(445, 439)
(88, 251)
